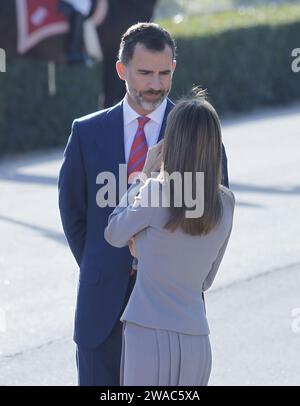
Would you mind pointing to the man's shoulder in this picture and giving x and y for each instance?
(91, 117)
(99, 116)
(170, 105)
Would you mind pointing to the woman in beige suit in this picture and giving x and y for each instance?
(179, 248)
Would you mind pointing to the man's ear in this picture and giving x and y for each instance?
(173, 65)
(121, 70)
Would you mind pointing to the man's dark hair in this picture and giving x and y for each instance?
(152, 36)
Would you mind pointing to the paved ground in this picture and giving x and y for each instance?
(252, 308)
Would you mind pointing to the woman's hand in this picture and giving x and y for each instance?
(153, 159)
(132, 247)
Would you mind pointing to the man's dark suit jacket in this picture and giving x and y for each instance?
(96, 144)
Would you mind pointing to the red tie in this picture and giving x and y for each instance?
(138, 150)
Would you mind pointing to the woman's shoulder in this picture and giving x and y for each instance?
(227, 194)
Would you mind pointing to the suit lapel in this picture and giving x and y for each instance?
(169, 107)
(115, 133)
(110, 139)
(110, 142)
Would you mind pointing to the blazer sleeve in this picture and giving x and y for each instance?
(215, 266)
(132, 215)
(72, 192)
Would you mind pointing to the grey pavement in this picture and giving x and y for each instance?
(253, 307)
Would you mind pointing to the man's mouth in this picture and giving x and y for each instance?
(153, 96)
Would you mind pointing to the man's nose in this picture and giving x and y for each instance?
(156, 83)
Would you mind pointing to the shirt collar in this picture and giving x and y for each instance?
(130, 115)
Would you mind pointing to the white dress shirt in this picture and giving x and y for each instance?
(152, 128)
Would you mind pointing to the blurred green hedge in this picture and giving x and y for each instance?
(32, 119)
(244, 61)
(243, 58)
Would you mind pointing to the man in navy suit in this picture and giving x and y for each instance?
(100, 142)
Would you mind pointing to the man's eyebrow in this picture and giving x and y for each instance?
(145, 70)
(150, 71)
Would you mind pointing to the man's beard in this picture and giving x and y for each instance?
(146, 104)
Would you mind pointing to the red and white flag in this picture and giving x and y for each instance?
(37, 20)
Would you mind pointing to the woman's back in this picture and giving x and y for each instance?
(175, 267)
